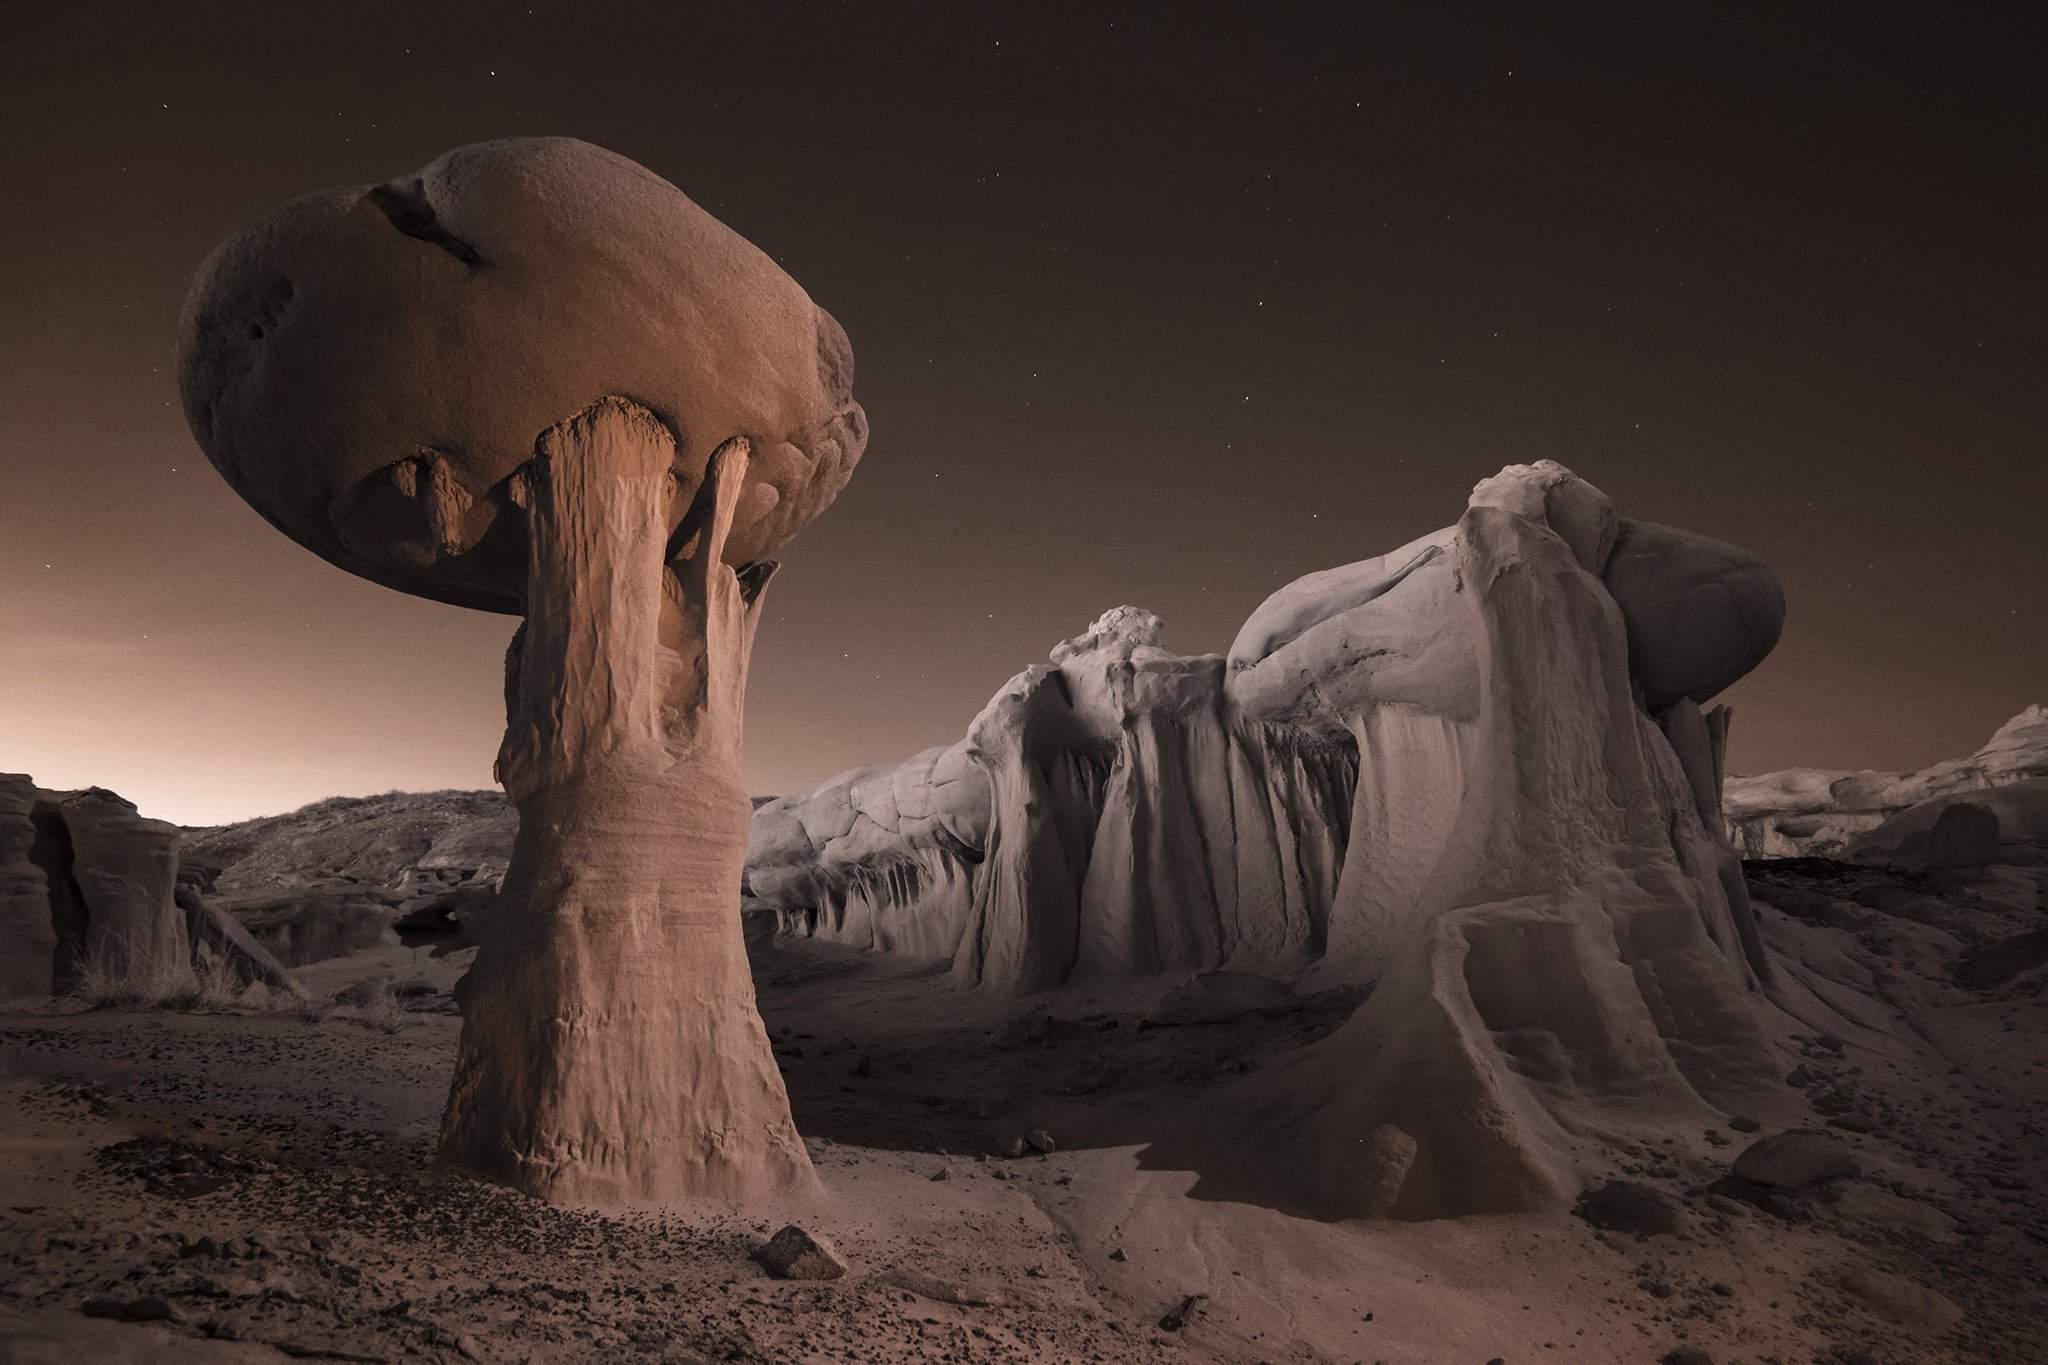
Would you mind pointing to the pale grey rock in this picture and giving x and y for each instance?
(1141, 824)
(1798, 812)
(1536, 879)
(1329, 646)
(878, 857)
(1389, 653)
(1109, 813)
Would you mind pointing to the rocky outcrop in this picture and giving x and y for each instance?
(1558, 931)
(1110, 813)
(1821, 812)
(1140, 823)
(2005, 825)
(91, 899)
(29, 917)
(879, 857)
(125, 871)
(1385, 652)
(404, 843)
(1473, 773)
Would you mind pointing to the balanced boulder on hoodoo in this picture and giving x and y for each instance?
(1536, 875)
(1387, 651)
(533, 377)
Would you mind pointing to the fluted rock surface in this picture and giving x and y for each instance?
(1109, 813)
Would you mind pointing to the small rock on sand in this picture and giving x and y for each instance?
(793, 1254)
(1792, 1161)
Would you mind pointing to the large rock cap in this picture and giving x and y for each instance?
(367, 365)
(1700, 612)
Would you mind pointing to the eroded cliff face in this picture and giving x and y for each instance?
(1109, 813)
(879, 857)
(91, 901)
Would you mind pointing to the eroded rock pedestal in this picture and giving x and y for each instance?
(611, 1049)
(371, 367)
(1564, 953)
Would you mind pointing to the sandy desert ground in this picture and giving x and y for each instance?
(257, 1184)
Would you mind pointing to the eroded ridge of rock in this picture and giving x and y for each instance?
(880, 857)
(535, 378)
(1536, 876)
(1110, 813)
(90, 900)
(1890, 817)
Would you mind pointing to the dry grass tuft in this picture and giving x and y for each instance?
(209, 986)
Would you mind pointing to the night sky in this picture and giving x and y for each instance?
(1165, 308)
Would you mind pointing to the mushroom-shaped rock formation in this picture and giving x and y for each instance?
(1536, 876)
(1388, 652)
(533, 377)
